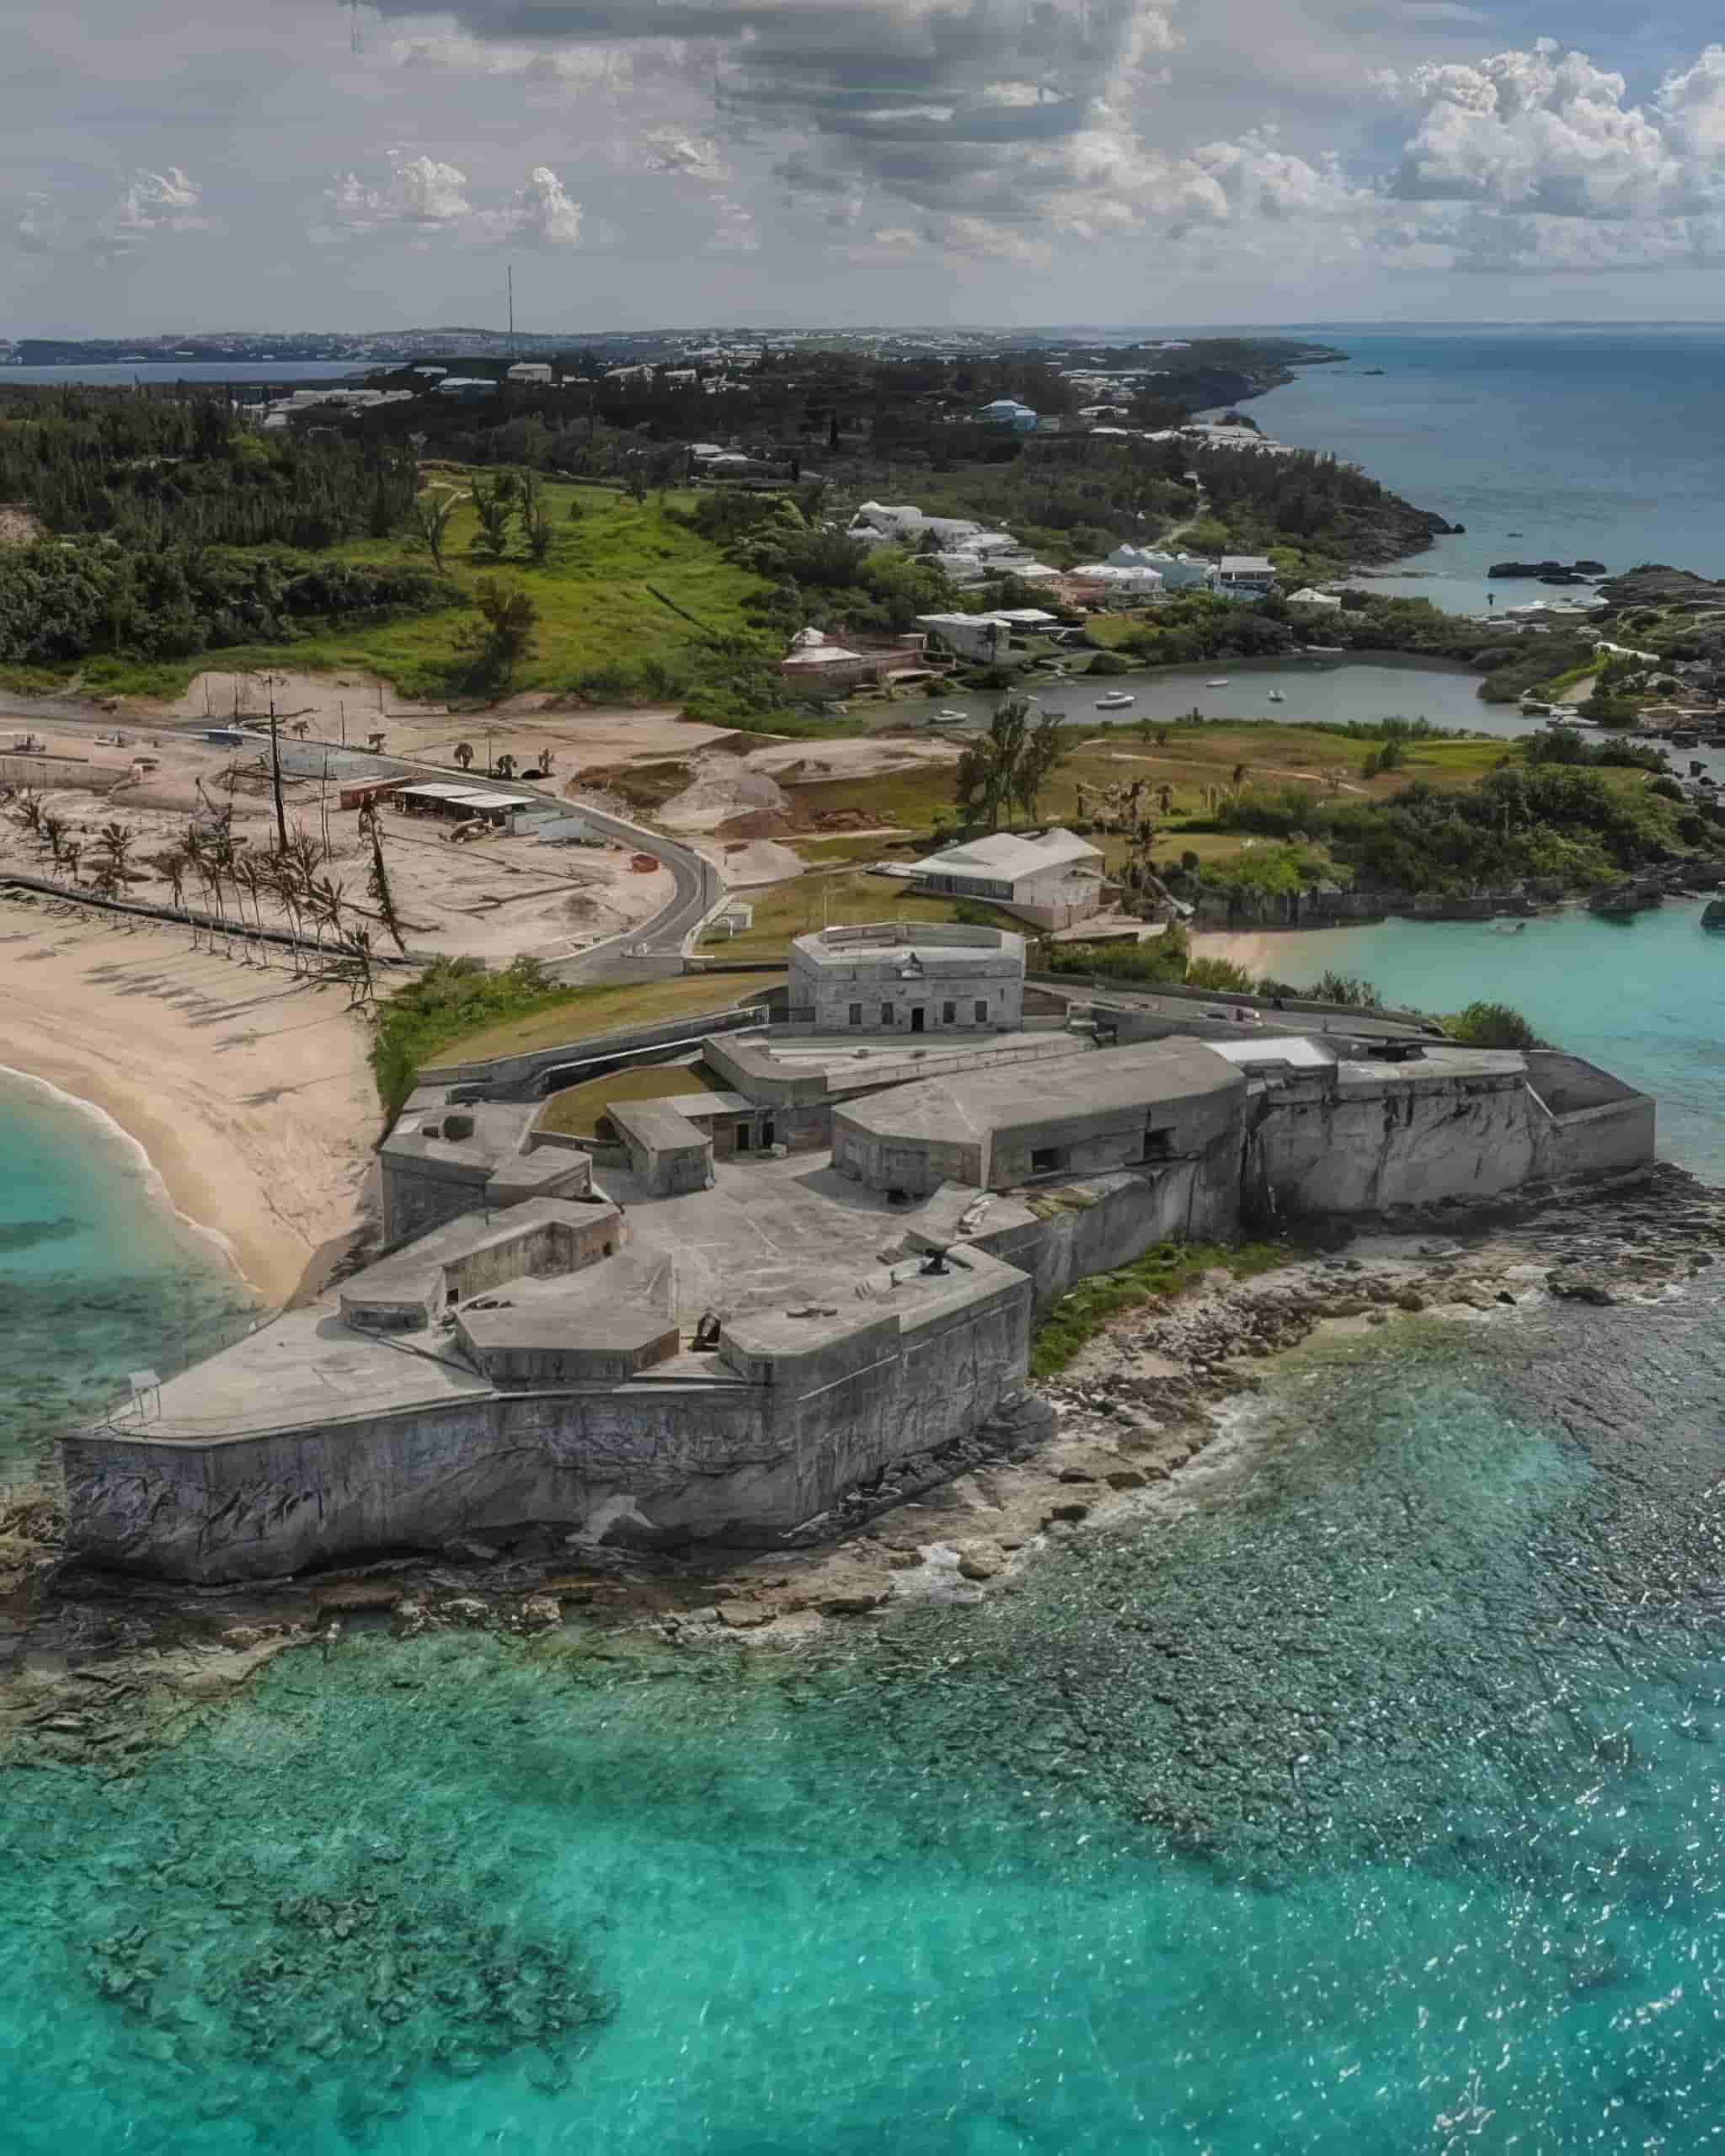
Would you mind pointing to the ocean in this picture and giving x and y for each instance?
(158, 373)
(99, 1275)
(1364, 1791)
(1546, 443)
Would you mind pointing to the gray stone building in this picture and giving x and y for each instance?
(909, 976)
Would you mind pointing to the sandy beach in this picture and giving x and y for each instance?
(248, 1089)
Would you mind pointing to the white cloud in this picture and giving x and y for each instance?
(1545, 131)
(420, 194)
(609, 66)
(150, 202)
(424, 191)
(690, 156)
(423, 196)
(540, 212)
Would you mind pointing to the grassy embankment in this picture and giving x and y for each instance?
(457, 1013)
(1168, 1270)
(627, 598)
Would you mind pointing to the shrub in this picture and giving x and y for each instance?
(1221, 974)
(1492, 1025)
(1332, 987)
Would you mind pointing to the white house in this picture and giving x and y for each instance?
(1122, 583)
(1053, 879)
(983, 637)
(530, 370)
(1245, 576)
(1008, 412)
(878, 524)
(1308, 596)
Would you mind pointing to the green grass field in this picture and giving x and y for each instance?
(585, 1011)
(577, 1111)
(626, 597)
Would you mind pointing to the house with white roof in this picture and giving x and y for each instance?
(1052, 878)
(881, 524)
(1122, 583)
(1309, 596)
(1245, 576)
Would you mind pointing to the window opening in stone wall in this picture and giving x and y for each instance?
(949, 1014)
(1158, 1145)
(856, 1014)
(919, 1019)
(982, 1011)
(886, 1014)
(1047, 1160)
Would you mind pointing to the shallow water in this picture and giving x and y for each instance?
(1374, 1803)
(99, 1276)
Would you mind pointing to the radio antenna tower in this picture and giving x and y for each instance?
(512, 310)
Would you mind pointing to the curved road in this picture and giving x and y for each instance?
(644, 952)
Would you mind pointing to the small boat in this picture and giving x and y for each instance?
(1275, 696)
(948, 713)
(1116, 700)
(1221, 682)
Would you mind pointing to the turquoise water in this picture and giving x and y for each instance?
(99, 1276)
(1374, 1803)
(1564, 443)
(1646, 998)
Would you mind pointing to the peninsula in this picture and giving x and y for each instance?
(801, 1251)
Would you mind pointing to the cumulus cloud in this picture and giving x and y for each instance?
(423, 196)
(150, 202)
(541, 213)
(420, 193)
(1548, 132)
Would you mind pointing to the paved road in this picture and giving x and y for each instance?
(645, 952)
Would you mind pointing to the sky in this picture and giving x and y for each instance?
(655, 163)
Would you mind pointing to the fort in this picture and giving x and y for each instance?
(801, 1243)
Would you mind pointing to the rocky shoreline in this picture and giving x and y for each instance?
(96, 1672)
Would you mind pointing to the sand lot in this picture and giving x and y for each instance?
(495, 899)
(351, 708)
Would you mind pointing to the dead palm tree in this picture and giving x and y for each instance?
(363, 980)
(288, 887)
(116, 841)
(328, 902)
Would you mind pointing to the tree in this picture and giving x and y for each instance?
(503, 635)
(495, 508)
(114, 841)
(1045, 751)
(428, 523)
